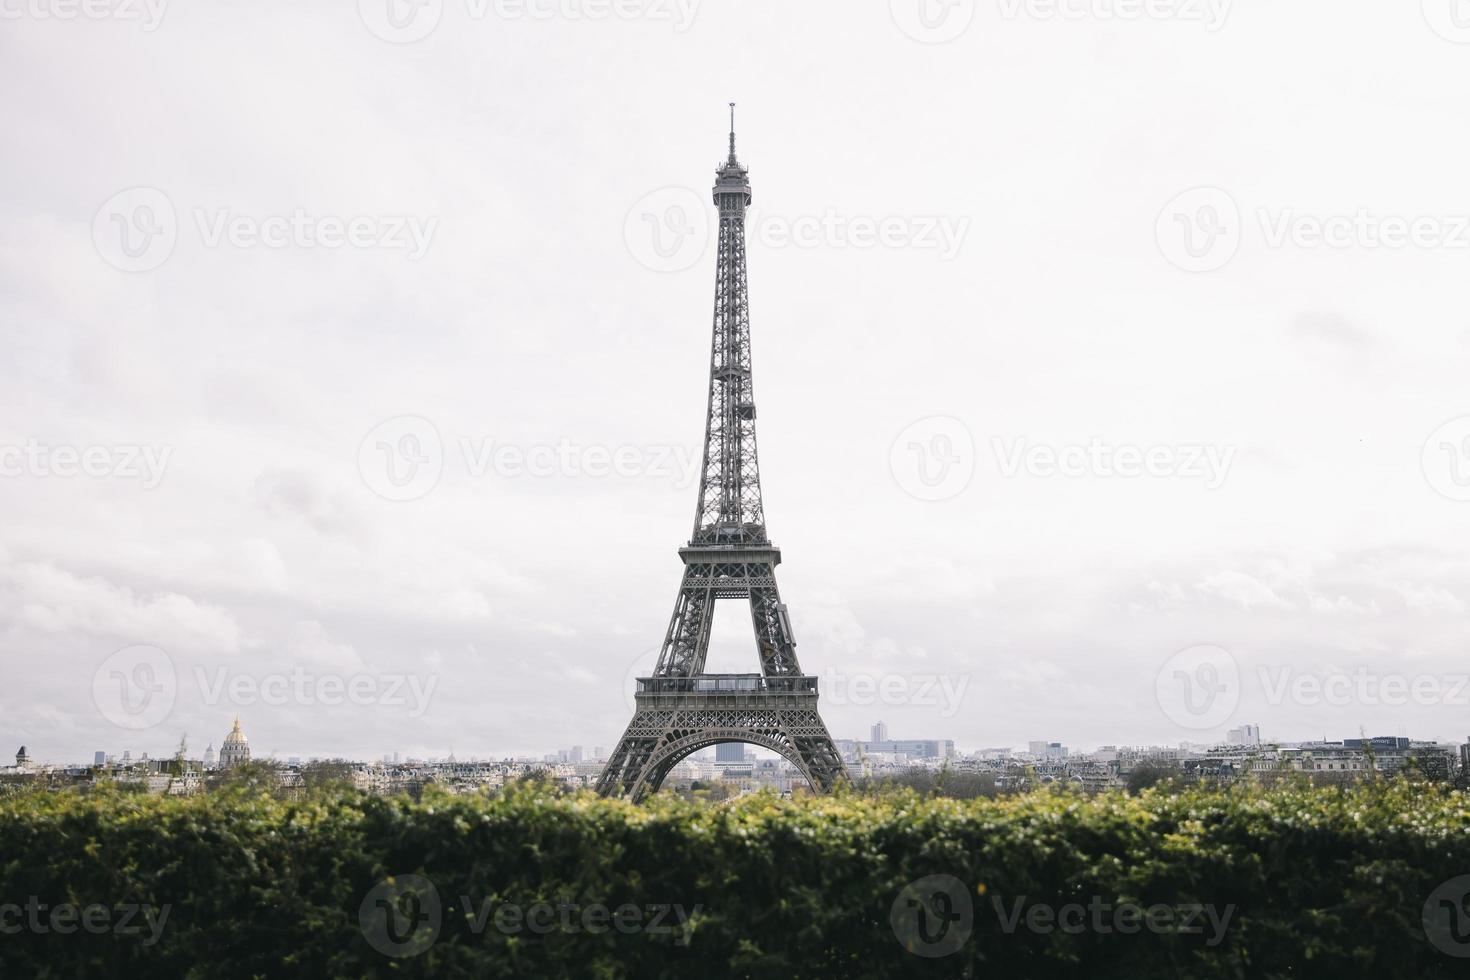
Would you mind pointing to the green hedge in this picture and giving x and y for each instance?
(1301, 883)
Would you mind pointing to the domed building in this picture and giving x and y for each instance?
(236, 749)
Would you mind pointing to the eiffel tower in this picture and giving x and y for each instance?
(681, 709)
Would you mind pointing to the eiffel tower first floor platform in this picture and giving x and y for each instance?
(677, 716)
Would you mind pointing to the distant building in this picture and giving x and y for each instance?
(730, 752)
(99, 758)
(22, 760)
(880, 732)
(913, 748)
(1244, 735)
(235, 749)
(209, 756)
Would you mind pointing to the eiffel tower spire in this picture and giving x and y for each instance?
(681, 708)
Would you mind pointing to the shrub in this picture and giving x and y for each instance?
(1301, 882)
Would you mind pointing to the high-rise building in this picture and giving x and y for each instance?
(99, 758)
(1244, 735)
(880, 732)
(730, 752)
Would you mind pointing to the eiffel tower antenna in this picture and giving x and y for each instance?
(732, 133)
(680, 708)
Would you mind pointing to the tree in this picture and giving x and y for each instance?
(1151, 772)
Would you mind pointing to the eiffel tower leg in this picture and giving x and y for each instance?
(772, 628)
(687, 642)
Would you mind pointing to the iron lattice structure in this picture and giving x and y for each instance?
(681, 709)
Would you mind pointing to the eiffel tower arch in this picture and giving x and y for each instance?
(680, 709)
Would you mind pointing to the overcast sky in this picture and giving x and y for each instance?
(364, 347)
